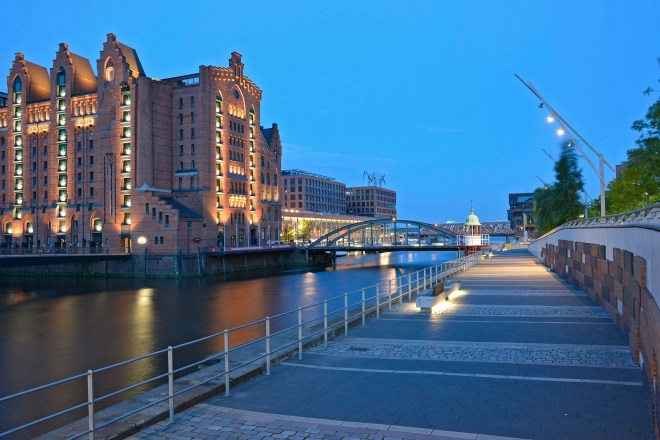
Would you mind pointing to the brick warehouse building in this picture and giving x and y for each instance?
(110, 159)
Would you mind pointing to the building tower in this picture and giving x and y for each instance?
(472, 240)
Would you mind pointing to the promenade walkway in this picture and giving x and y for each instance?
(517, 354)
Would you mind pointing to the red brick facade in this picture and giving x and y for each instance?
(98, 160)
(620, 287)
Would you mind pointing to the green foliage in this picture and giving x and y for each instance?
(305, 231)
(638, 185)
(287, 234)
(560, 202)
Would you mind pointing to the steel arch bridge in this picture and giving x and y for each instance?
(387, 235)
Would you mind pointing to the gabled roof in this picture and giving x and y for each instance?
(131, 58)
(85, 79)
(39, 82)
(266, 132)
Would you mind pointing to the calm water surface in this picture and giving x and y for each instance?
(52, 328)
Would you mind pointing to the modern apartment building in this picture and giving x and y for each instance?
(309, 192)
(521, 214)
(105, 157)
(371, 201)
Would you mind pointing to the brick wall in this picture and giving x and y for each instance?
(620, 286)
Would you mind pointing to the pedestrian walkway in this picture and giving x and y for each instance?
(516, 353)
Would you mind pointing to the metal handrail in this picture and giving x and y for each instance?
(638, 217)
(407, 284)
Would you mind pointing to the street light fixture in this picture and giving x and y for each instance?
(570, 131)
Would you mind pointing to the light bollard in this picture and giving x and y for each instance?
(170, 382)
(346, 313)
(364, 304)
(389, 294)
(300, 336)
(90, 405)
(325, 323)
(226, 337)
(268, 346)
(377, 301)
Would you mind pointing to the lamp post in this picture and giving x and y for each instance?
(565, 128)
(142, 240)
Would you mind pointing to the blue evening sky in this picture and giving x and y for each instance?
(420, 91)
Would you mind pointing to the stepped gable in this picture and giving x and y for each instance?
(38, 80)
(84, 78)
(272, 137)
(130, 56)
(235, 72)
(184, 211)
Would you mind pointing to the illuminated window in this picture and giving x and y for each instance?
(109, 70)
(18, 85)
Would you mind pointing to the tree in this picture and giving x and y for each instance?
(305, 231)
(638, 184)
(287, 234)
(560, 202)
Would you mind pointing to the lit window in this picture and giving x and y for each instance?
(109, 70)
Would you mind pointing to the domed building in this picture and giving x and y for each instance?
(472, 240)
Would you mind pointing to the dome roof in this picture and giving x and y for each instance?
(472, 219)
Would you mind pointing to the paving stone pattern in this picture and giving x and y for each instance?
(519, 355)
(549, 354)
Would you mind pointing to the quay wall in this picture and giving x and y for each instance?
(173, 266)
(619, 268)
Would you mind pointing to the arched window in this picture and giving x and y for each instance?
(61, 77)
(61, 82)
(236, 94)
(18, 85)
(109, 70)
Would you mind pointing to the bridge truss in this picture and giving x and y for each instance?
(386, 234)
(489, 228)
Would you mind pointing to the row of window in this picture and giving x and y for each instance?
(192, 102)
(316, 184)
(235, 126)
(192, 118)
(158, 215)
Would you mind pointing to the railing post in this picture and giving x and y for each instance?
(170, 382)
(363, 306)
(226, 336)
(325, 323)
(409, 286)
(268, 346)
(389, 294)
(400, 289)
(377, 301)
(90, 405)
(346, 313)
(300, 338)
(425, 277)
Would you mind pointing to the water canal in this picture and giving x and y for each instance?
(52, 328)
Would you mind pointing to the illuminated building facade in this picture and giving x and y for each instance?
(371, 201)
(311, 192)
(521, 214)
(97, 160)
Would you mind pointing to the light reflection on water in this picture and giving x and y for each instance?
(51, 328)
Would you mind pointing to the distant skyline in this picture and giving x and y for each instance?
(423, 93)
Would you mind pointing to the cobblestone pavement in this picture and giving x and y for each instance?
(548, 354)
(519, 355)
(213, 422)
(546, 311)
